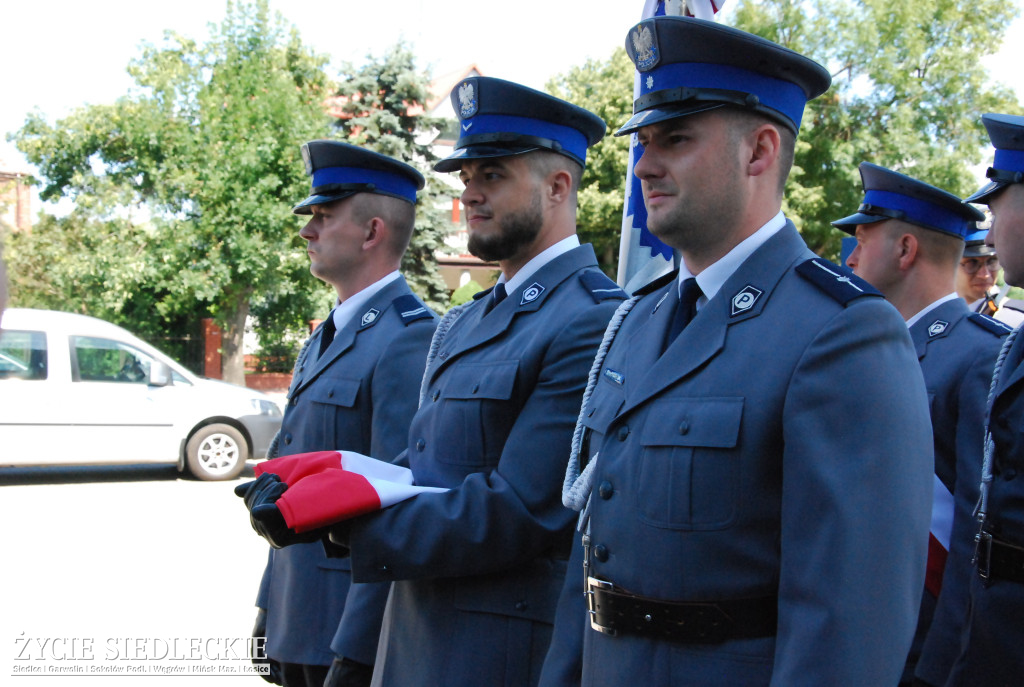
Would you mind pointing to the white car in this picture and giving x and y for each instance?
(75, 390)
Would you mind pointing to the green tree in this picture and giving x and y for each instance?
(382, 105)
(606, 89)
(202, 161)
(908, 93)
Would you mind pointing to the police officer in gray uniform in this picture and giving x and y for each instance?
(477, 569)
(990, 652)
(356, 385)
(755, 442)
(910, 239)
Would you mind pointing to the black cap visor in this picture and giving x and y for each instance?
(849, 224)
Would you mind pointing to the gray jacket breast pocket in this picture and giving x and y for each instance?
(336, 416)
(477, 412)
(688, 472)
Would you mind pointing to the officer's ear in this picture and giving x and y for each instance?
(375, 233)
(766, 144)
(907, 247)
(559, 185)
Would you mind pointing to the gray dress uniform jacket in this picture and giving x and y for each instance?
(780, 448)
(991, 652)
(957, 350)
(478, 569)
(360, 395)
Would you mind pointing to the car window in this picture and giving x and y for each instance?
(103, 360)
(22, 355)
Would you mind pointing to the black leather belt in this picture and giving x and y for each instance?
(999, 560)
(712, 622)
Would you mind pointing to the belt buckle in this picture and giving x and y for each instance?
(983, 554)
(605, 586)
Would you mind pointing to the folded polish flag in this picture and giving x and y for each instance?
(325, 487)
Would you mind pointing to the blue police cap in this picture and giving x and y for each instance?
(975, 246)
(1007, 134)
(891, 195)
(340, 170)
(498, 118)
(692, 65)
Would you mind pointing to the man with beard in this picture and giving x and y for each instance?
(758, 455)
(910, 239)
(990, 652)
(477, 569)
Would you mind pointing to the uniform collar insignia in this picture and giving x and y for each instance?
(937, 327)
(370, 316)
(531, 293)
(745, 299)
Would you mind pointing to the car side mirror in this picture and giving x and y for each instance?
(159, 374)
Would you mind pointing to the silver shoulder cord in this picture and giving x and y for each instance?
(981, 510)
(435, 342)
(577, 487)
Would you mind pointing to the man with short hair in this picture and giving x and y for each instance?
(754, 444)
(356, 384)
(990, 651)
(910, 239)
(477, 569)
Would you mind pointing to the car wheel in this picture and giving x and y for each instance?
(216, 452)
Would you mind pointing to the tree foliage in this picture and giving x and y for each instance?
(606, 89)
(193, 171)
(383, 104)
(908, 93)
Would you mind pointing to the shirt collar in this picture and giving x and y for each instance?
(350, 307)
(916, 318)
(538, 261)
(713, 277)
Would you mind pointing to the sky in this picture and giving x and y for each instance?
(60, 54)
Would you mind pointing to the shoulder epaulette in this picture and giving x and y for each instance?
(600, 287)
(410, 309)
(838, 282)
(1013, 304)
(989, 324)
(653, 286)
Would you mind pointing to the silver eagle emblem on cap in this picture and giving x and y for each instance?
(644, 47)
(467, 100)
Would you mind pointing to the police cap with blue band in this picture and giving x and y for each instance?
(891, 195)
(340, 170)
(690, 65)
(975, 246)
(1007, 134)
(498, 118)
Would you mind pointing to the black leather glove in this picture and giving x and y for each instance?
(345, 672)
(259, 657)
(268, 522)
(249, 491)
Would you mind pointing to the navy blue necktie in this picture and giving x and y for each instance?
(327, 334)
(498, 294)
(685, 310)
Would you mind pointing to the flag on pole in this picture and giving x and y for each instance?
(642, 257)
(326, 487)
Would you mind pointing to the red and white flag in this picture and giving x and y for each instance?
(940, 533)
(326, 487)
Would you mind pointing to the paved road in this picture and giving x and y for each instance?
(119, 555)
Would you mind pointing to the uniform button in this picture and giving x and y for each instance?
(1009, 474)
(590, 413)
(437, 395)
(623, 432)
(476, 388)
(421, 444)
(601, 552)
(301, 367)
(605, 490)
(330, 394)
(287, 438)
(520, 605)
(684, 427)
